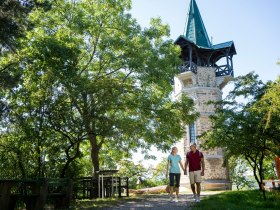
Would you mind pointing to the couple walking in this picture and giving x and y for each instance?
(195, 162)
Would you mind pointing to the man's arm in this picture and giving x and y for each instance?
(203, 166)
(186, 165)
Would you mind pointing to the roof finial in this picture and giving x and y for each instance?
(195, 29)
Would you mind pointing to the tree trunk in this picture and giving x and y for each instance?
(261, 175)
(70, 159)
(258, 171)
(21, 165)
(39, 159)
(94, 153)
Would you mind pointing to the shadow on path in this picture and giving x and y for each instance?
(155, 202)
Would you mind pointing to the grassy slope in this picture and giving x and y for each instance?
(238, 200)
(229, 200)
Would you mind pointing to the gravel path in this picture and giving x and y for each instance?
(156, 202)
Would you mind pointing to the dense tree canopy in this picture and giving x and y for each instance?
(14, 20)
(269, 105)
(89, 75)
(240, 125)
(14, 23)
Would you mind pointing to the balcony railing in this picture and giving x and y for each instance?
(223, 70)
(188, 66)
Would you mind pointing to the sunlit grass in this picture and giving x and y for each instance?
(229, 200)
(101, 203)
(238, 200)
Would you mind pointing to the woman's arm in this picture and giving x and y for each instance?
(181, 164)
(167, 168)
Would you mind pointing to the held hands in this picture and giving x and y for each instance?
(202, 173)
(185, 172)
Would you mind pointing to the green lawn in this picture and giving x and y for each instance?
(101, 203)
(238, 200)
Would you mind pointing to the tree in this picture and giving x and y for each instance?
(96, 73)
(14, 24)
(143, 177)
(135, 172)
(269, 105)
(14, 20)
(239, 128)
(238, 172)
(159, 173)
(36, 140)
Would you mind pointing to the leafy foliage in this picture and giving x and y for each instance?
(91, 82)
(141, 176)
(239, 174)
(240, 128)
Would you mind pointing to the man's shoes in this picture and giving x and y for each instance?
(197, 199)
(170, 199)
(176, 199)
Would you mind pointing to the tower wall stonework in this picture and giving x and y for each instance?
(202, 87)
(203, 83)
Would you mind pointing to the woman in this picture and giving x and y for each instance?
(173, 170)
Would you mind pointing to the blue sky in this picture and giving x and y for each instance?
(253, 25)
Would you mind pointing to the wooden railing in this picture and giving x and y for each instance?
(35, 193)
(223, 70)
(89, 188)
(188, 66)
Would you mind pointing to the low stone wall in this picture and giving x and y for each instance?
(152, 190)
(216, 185)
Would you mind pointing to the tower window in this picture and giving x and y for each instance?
(192, 133)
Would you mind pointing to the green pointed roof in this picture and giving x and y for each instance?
(197, 50)
(195, 29)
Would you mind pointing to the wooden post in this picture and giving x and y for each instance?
(277, 166)
(127, 189)
(5, 192)
(120, 188)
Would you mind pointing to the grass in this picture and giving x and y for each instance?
(239, 200)
(100, 203)
(228, 200)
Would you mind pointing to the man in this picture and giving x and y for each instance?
(195, 161)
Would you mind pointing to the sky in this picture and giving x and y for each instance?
(253, 25)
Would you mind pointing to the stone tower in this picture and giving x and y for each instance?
(206, 69)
